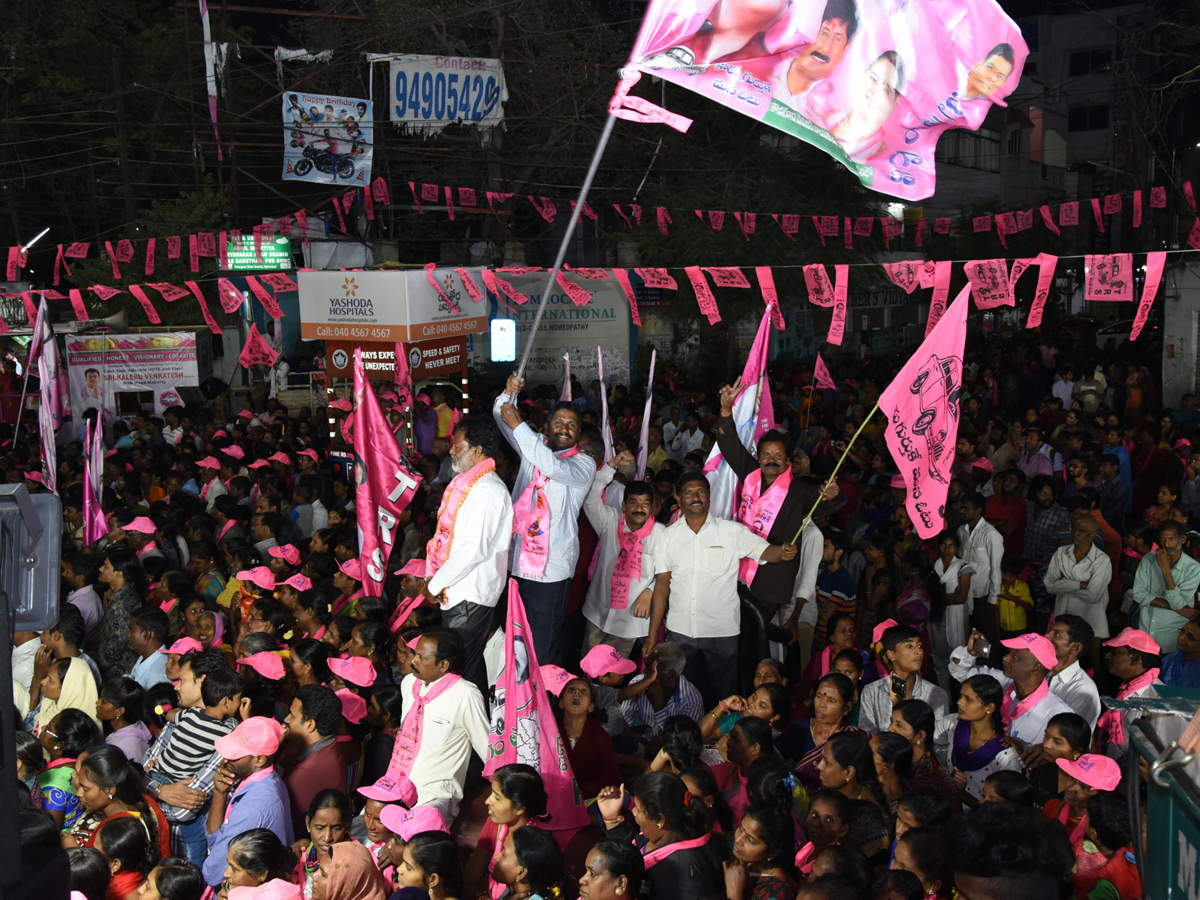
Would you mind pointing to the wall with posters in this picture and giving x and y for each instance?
(100, 366)
(327, 139)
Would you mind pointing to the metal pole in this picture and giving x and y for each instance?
(566, 239)
(833, 474)
(21, 408)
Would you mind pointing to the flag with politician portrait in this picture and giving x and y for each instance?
(327, 139)
(873, 83)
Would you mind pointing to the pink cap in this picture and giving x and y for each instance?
(898, 482)
(108, 454)
(414, 567)
(233, 450)
(275, 889)
(245, 414)
(265, 663)
(35, 476)
(877, 633)
(555, 678)
(353, 568)
(257, 736)
(342, 404)
(405, 823)
(386, 790)
(140, 525)
(355, 669)
(983, 463)
(220, 432)
(389, 395)
(258, 464)
(311, 454)
(280, 457)
(603, 659)
(259, 575)
(1095, 770)
(1036, 644)
(1138, 640)
(1182, 442)
(424, 397)
(354, 707)
(286, 552)
(299, 582)
(183, 645)
(209, 462)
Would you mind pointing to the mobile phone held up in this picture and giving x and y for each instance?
(898, 686)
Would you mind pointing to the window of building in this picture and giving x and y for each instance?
(1084, 62)
(1087, 118)
(972, 150)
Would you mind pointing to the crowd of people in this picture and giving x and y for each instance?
(227, 706)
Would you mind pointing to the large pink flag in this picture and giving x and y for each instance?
(644, 437)
(404, 384)
(524, 728)
(94, 524)
(822, 380)
(605, 428)
(44, 350)
(921, 405)
(753, 415)
(384, 485)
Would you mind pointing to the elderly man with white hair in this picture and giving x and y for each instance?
(650, 699)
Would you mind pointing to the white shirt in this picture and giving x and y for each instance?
(1075, 687)
(704, 566)
(215, 489)
(569, 478)
(453, 724)
(609, 523)
(1028, 728)
(476, 564)
(875, 714)
(22, 662)
(89, 604)
(1063, 579)
(812, 547)
(983, 548)
(684, 442)
(150, 671)
(320, 516)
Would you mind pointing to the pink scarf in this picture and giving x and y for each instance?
(1112, 721)
(225, 528)
(1012, 708)
(408, 741)
(629, 562)
(531, 521)
(438, 550)
(204, 490)
(1077, 833)
(654, 857)
(758, 510)
(825, 658)
(804, 858)
(246, 782)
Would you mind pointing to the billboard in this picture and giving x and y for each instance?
(327, 139)
(431, 92)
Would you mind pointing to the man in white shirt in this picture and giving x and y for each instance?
(617, 608)
(903, 655)
(453, 723)
(699, 598)
(687, 438)
(1028, 702)
(1071, 637)
(1078, 576)
(467, 558)
(24, 653)
(980, 544)
(800, 615)
(553, 480)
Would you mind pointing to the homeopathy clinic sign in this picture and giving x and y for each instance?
(387, 306)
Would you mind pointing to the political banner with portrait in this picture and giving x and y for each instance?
(327, 139)
(873, 83)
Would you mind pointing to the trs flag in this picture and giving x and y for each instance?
(94, 525)
(922, 409)
(524, 728)
(753, 414)
(644, 437)
(565, 396)
(822, 380)
(404, 385)
(605, 428)
(44, 350)
(384, 485)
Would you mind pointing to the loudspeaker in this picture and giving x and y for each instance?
(30, 547)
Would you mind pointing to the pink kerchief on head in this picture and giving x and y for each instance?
(1036, 644)
(140, 525)
(412, 645)
(408, 822)
(1095, 770)
(877, 633)
(183, 645)
(354, 707)
(299, 582)
(603, 659)
(287, 552)
(265, 663)
(1138, 640)
(259, 575)
(355, 669)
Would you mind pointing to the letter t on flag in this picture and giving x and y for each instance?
(383, 483)
(921, 406)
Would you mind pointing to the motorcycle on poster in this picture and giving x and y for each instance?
(327, 139)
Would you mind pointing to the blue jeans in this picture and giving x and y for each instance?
(193, 837)
(546, 610)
